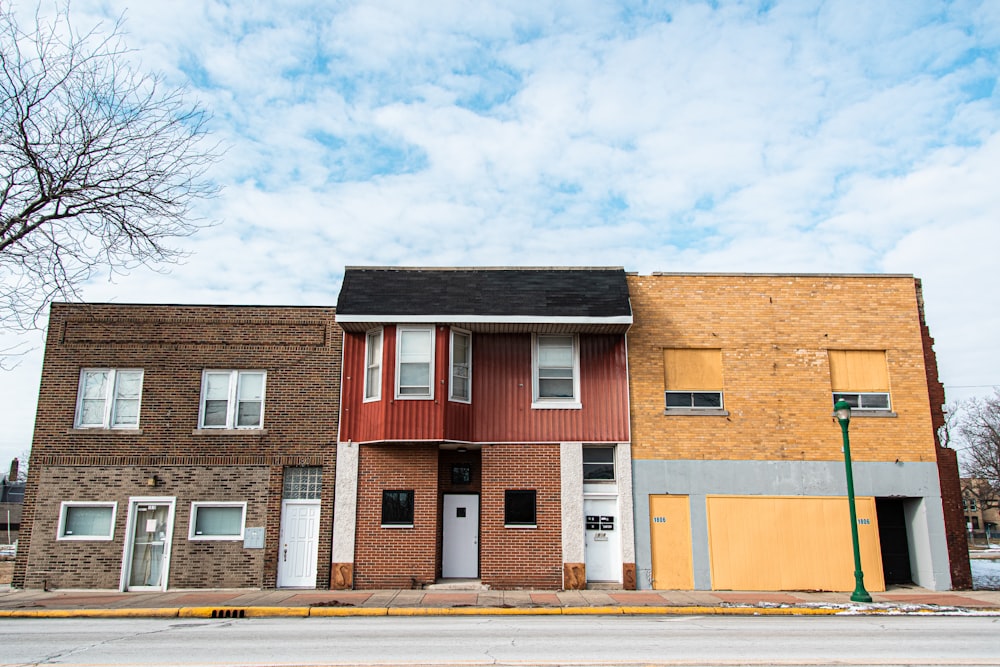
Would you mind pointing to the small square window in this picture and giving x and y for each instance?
(461, 473)
(217, 521)
(397, 508)
(519, 508)
(87, 521)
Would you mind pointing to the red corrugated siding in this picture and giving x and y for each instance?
(501, 395)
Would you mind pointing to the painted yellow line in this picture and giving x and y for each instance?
(348, 611)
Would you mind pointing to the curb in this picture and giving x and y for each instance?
(320, 612)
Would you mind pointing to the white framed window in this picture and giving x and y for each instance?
(414, 362)
(555, 370)
(460, 386)
(217, 520)
(232, 399)
(109, 398)
(87, 520)
(373, 365)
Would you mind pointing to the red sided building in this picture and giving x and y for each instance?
(484, 429)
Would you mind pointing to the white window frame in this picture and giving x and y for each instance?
(429, 331)
(563, 403)
(373, 393)
(111, 399)
(453, 367)
(233, 399)
(861, 399)
(201, 504)
(61, 531)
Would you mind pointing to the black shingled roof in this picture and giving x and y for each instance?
(595, 294)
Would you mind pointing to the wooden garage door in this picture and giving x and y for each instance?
(784, 543)
(670, 539)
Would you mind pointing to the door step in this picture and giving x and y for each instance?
(457, 585)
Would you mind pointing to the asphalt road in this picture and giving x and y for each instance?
(516, 640)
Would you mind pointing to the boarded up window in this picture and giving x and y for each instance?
(692, 370)
(858, 371)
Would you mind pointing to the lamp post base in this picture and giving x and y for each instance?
(860, 594)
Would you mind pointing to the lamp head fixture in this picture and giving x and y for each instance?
(842, 411)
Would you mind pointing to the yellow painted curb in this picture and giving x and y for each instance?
(348, 611)
(473, 611)
(241, 612)
(165, 612)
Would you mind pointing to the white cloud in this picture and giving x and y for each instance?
(846, 136)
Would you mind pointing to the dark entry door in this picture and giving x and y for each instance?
(892, 538)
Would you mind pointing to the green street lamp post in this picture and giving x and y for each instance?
(842, 411)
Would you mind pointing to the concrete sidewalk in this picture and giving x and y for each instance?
(214, 603)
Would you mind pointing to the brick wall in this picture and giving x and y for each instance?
(947, 459)
(775, 332)
(396, 557)
(512, 558)
(298, 347)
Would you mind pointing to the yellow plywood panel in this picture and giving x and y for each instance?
(858, 370)
(781, 543)
(692, 370)
(670, 538)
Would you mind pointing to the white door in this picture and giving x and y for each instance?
(603, 543)
(299, 545)
(146, 561)
(460, 537)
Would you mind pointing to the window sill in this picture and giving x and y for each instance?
(229, 431)
(864, 414)
(397, 525)
(692, 412)
(556, 405)
(520, 525)
(76, 430)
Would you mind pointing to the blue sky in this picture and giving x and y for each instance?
(766, 136)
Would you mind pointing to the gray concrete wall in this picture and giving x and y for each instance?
(696, 479)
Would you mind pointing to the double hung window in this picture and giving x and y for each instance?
(414, 362)
(232, 399)
(555, 371)
(109, 398)
(692, 379)
(460, 388)
(373, 365)
(860, 377)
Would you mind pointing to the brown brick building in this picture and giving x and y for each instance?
(738, 467)
(183, 446)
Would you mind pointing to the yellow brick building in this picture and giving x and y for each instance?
(738, 468)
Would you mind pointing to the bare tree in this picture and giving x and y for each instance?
(100, 164)
(978, 425)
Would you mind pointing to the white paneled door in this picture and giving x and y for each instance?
(299, 545)
(460, 537)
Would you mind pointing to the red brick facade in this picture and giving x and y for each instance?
(300, 351)
(521, 557)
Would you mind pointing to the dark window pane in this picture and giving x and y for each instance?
(519, 508)
(678, 399)
(709, 399)
(397, 508)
